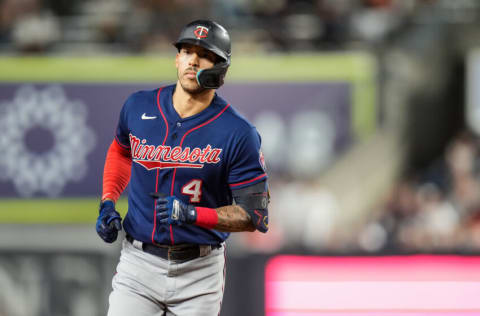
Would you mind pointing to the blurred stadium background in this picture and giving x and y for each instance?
(370, 119)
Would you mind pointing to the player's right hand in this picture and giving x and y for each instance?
(172, 211)
(109, 222)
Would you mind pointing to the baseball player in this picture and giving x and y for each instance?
(196, 173)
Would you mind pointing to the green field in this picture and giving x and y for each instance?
(53, 211)
(298, 68)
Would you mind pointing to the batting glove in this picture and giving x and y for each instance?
(109, 222)
(172, 211)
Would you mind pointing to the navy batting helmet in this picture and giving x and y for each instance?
(213, 37)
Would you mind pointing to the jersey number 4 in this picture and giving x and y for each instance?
(194, 189)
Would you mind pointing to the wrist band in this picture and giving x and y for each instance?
(206, 217)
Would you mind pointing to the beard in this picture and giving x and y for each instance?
(188, 85)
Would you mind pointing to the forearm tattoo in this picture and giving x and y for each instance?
(233, 218)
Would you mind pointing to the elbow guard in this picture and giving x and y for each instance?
(254, 200)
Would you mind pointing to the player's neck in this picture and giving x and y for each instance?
(187, 104)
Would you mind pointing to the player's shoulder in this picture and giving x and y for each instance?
(140, 100)
(141, 96)
(233, 118)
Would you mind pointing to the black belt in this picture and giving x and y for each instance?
(178, 253)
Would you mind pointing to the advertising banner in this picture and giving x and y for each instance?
(54, 137)
(420, 285)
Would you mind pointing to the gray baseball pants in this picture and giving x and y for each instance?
(147, 285)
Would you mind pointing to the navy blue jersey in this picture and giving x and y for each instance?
(199, 159)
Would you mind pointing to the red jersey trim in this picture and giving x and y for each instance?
(156, 178)
(122, 145)
(205, 123)
(163, 115)
(248, 181)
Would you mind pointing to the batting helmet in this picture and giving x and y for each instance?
(213, 37)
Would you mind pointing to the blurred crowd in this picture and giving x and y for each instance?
(28, 26)
(148, 26)
(432, 210)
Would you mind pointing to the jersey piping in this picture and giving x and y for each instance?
(119, 143)
(156, 178)
(248, 181)
(181, 143)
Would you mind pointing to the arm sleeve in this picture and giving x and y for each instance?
(117, 169)
(116, 172)
(247, 165)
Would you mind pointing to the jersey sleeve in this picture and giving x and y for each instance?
(122, 130)
(247, 165)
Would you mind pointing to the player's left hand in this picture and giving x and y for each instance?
(172, 211)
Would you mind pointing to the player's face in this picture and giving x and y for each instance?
(189, 60)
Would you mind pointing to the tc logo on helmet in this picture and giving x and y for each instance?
(201, 32)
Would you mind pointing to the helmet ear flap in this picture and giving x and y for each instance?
(213, 78)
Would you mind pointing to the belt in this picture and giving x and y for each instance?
(178, 253)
